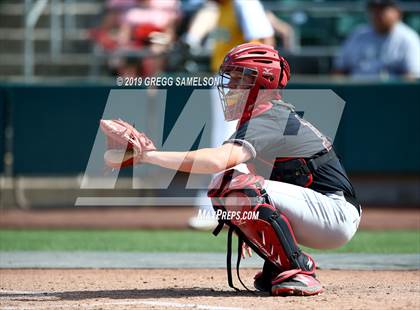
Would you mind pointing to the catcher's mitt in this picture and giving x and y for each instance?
(124, 143)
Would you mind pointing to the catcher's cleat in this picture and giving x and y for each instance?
(263, 279)
(262, 283)
(298, 285)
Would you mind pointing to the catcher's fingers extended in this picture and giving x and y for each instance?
(125, 144)
(246, 250)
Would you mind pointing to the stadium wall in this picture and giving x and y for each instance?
(2, 129)
(377, 133)
(55, 127)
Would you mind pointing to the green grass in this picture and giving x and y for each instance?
(181, 241)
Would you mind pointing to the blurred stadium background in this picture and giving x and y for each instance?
(58, 64)
(55, 76)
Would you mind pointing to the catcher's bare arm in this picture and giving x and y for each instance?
(208, 160)
(127, 146)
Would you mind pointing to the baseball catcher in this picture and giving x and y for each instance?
(296, 184)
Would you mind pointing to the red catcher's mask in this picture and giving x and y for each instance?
(245, 70)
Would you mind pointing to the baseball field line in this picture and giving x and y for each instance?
(5, 295)
(42, 259)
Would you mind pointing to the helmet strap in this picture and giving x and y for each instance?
(281, 71)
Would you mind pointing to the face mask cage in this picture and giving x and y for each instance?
(234, 86)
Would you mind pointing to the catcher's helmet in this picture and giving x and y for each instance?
(245, 70)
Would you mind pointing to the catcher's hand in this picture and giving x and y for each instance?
(246, 250)
(125, 144)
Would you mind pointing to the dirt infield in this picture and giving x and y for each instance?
(199, 289)
(169, 218)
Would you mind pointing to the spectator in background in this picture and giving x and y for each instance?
(203, 22)
(136, 33)
(107, 33)
(283, 31)
(151, 27)
(385, 48)
(237, 20)
(240, 22)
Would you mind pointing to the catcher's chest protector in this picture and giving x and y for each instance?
(269, 235)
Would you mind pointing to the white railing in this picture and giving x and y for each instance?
(33, 11)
